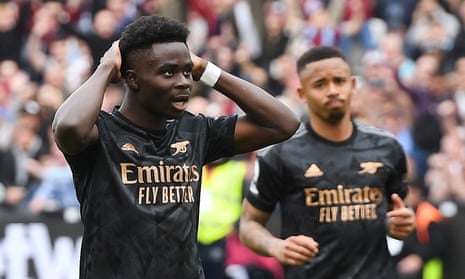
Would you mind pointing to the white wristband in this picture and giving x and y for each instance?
(211, 74)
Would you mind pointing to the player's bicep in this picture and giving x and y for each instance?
(250, 136)
(71, 144)
(252, 214)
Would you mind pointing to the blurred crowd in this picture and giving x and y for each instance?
(408, 55)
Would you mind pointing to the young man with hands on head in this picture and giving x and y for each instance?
(137, 170)
(339, 184)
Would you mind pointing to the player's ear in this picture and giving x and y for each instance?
(301, 94)
(131, 79)
(356, 84)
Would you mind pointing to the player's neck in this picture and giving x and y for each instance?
(337, 132)
(142, 118)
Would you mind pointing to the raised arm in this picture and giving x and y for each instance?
(266, 120)
(74, 123)
(294, 250)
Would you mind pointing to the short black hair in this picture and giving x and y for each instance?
(318, 53)
(150, 29)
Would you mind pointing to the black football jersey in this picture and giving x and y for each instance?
(336, 192)
(139, 193)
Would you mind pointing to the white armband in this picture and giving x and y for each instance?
(211, 74)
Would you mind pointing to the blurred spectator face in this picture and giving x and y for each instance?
(275, 19)
(8, 68)
(425, 8)
(392, 46)
(320, 18)
(452, 145)
(105, 24)
(427, 66)
(58, 49)
(376, 72)
(24, 132)
(46, 18)
(54, 75)
(435, 39)
(225, 57)
(309, 7)
(49, 96)
(118, 7)
(9, 13)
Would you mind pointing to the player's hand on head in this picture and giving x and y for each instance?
(401, 219)
(113, 57)
(295, 250)
(199, 66)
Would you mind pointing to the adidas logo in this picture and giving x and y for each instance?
(313, 171)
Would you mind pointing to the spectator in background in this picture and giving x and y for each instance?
(248, 69)
(47, 99)
(426, 90)
(432, 28)
(274, 44)
(457, 86)
(199, 31)
(355, 32)
(6, 103)
(392, 47)
(103, 33)
(319, 29)
(420, 255)
(446, 189)
(113, 96)
(125, 12)
(55, 191)
(55, 54)
(458, 46)
(44, 26)
(397, 14)
(220, 209)
(26, 146)
(12, 30)
(246, 28)
(7, 171)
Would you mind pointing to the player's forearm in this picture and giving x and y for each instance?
(252, 230)
(259, 105)
(256, 237)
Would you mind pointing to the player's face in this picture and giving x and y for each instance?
(162, 79)
(327, 88)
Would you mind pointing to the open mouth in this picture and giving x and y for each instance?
(179, 102)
